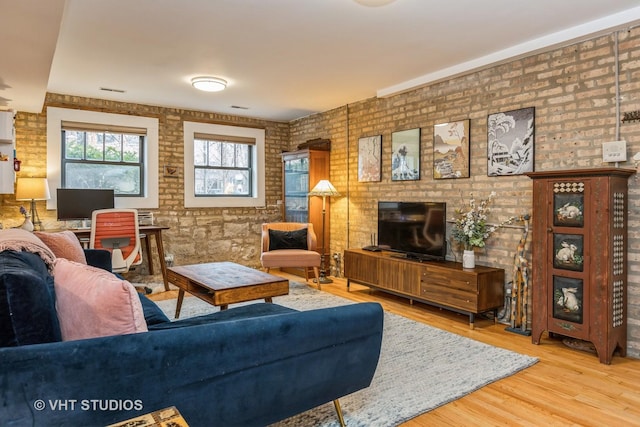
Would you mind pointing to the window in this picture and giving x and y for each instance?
(122, 150)
(224, 166)
(99, 158)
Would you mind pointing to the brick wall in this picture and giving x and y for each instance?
(573, 91)
(195, 235)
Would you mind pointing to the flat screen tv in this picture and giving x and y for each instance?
(414, 229)
(79, 203)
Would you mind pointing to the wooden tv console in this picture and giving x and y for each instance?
(443, 284)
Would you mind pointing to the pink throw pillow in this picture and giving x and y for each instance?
(64, 244)
(92, 302)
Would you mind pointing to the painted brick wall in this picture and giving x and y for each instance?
(573, 91)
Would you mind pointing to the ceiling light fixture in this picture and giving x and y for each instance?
(209, 84)
(374, 3)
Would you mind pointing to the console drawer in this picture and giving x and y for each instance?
(460, 281)
(450, 296)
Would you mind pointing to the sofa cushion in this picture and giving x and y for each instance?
(290, 258)
(249, 311)
(294, 239)
(19, 240)
(27, 301)
(64, 244)
(100, 258)
(92, 302)
(153, 315)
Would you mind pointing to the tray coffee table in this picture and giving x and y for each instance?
(224, 283)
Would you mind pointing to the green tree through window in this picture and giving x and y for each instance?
(103, 159)
(222, 168)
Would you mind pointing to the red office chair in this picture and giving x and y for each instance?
(116, 230)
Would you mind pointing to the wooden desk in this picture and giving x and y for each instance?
(145, 232)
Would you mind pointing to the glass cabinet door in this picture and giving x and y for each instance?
(296, 188)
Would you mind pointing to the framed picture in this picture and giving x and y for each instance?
(568, 209)
(451, 150)
(369, 158)
(568, 251)
(510, 140)
(568, 299)
(405, 155)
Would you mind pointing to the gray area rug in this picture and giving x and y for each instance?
(420, 367)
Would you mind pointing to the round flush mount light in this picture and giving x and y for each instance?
(209, 84)
(374, 3)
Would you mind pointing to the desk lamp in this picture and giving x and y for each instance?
(323, 189)
(33, 189)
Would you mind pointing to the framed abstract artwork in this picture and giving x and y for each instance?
(369, 158)
(405, 155)
(451, 150)
(510, 142)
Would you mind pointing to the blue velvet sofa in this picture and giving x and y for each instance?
(246, 366)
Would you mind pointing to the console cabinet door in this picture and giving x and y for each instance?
(403, 277)
(361, 268)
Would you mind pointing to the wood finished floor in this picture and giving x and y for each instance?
(566, 387)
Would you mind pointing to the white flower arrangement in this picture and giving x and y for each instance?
(470, 225)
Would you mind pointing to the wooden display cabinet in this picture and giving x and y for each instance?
(579, 253)
(443, 284)
(301, 171)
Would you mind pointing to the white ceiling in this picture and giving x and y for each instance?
(283, 59)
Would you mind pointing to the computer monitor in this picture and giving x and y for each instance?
(79, 203)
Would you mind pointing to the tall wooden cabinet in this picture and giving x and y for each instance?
(579, 268)
(301, 171)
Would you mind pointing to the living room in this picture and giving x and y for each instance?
(573, 89)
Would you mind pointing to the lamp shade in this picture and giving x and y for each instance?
(32, 189)
(324, 188)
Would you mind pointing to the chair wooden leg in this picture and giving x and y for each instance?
(316, 272)
(306, 274)
(336, 403)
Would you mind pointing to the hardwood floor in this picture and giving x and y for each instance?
(567, 387)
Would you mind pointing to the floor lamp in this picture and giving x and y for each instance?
(33, 189)
(323, 189)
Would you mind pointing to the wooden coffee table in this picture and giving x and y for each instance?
(224, 283)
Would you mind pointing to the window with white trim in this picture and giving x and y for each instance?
(148, 197)
(223, 166)
(103, 157)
